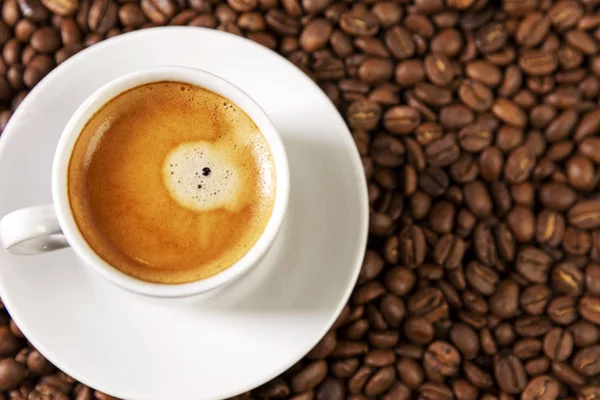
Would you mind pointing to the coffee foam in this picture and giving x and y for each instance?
(203, 176)
(134, 180)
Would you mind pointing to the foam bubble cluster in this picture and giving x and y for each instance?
(202, 176)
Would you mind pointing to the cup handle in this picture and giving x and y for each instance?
(32, 230)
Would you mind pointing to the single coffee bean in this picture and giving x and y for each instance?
(550, 228)
(527, 348)
(592, 279)
(448, 42)
(359, 379)
(477, 376)
(344, 368)
(532, 326)
(380, 382)
(410, 372)
(387, 151)
(585, 333)
(504, 303)
(12, 373)
(537, 366)
(449, 251)
(428, 303)
(481, 278)
(103, 14)
(442, 152)
(541, 387)
(400, 280)
(509, 373)
(393, 310)
(383, 340)
(401, 119)
(456, 116)
(433, 181)
(409, 72)
(464, 390)
(412, 246)
(589, 308)
(375, 70)
(587, 361)
(368, 292)
(419, 330)
(509, 112)
(533, 29)
(315, 34)
(400, 43)
(558, 344)
(475, 95)
(538, 62)
(521, 222)
(465, 339)
(562, 310)
(364, 114)
(585, 214)
(439, 69)
(535, 298)
(359, 22)
(432, 95)
(490, 38)
(349, 349)
(567, 279)
(441, 357)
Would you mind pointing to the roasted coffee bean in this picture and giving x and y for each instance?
(399, 43)
(387, 151)
(9, 343)
(364, 114)
(481, 277)
(441, 358)
(401, 120)
(103, 14)
(592, 279)
(585, 333)
(412, 246)
(535, 298)
(562, 310)
(504, 303)
(509, 373)
(465, 339)
(442, 152)
(439, 69)
(585, 214)
(449, 251)
(509, 112)
(558, 344)
(419, 330)
(428, 303)
(587, 361)
(541, 387)
(433, 181)
(567, 279)
(533, 326)
(533, 264)
(550, 228)
(589, 308)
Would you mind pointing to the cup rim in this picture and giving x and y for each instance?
(195, 77)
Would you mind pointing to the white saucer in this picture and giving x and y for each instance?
(132, 348)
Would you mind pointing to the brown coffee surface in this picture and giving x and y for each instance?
(171, 183)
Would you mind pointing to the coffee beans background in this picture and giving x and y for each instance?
(478, 123)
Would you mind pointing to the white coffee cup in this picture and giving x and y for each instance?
(49, 227)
